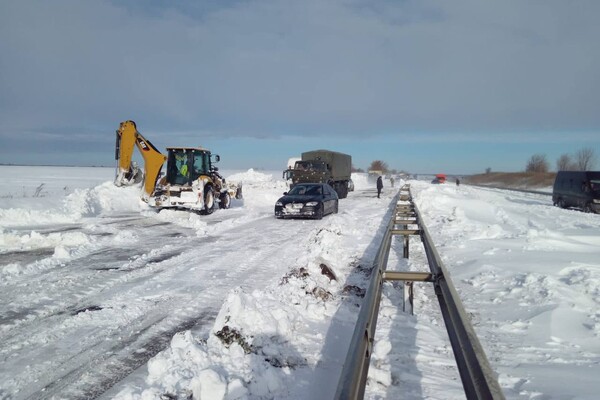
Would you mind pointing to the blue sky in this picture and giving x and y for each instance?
(426, 86)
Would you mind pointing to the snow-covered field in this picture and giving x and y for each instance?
(102, 296)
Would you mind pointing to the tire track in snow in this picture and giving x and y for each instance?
(91, 290)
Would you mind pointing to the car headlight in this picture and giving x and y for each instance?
(597, 201)
(312, 203)
(280, 204)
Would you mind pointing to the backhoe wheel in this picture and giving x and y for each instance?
(209, 200)
(225, 201)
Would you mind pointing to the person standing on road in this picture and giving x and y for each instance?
(379, 186)
(457, 182)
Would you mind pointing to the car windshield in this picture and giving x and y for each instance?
(306, 190)
(310, 166)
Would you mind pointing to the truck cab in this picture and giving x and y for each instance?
(322, 166)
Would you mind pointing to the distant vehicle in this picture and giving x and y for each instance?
(350, 185)
(372, 175)
(312, 200)
(322, 166)
(577, 189)
(439, 178)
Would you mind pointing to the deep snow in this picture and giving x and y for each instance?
(94, 285)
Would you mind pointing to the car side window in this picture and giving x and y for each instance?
(314, 190)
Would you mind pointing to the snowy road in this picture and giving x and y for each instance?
(112, 289)
(93, 285)
(139, 283)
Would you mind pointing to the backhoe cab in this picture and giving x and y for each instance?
(191, 181)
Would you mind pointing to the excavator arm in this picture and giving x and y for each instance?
(128, 137)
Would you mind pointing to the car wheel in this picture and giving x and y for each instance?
(319, 214)
(225, 201)
(209, 200)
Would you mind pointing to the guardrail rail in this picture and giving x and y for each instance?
(478, 379)
(510, 189)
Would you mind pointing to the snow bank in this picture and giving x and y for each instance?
(529, 275)
(361, 181)
(81, 203)
(250, 176)
(50, 223)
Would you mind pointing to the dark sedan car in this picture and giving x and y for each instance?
(312, 200)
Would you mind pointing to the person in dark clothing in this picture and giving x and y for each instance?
(379, 186)
(457, 182)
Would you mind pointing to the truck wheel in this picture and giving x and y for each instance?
(587, 208)
(225, 201)
(335, 210)
(344, 192)
(561, 203)
(209, 200)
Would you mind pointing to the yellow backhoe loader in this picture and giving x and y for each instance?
(191, 181)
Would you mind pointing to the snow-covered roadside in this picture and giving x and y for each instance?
(529, 274)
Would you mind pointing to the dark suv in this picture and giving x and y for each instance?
(578, 189)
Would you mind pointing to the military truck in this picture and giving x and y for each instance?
(322, 166)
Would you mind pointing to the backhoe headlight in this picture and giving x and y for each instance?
(311, 203)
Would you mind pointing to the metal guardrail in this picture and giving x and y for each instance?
(511, 189)
(478, 379)
(356, 367)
